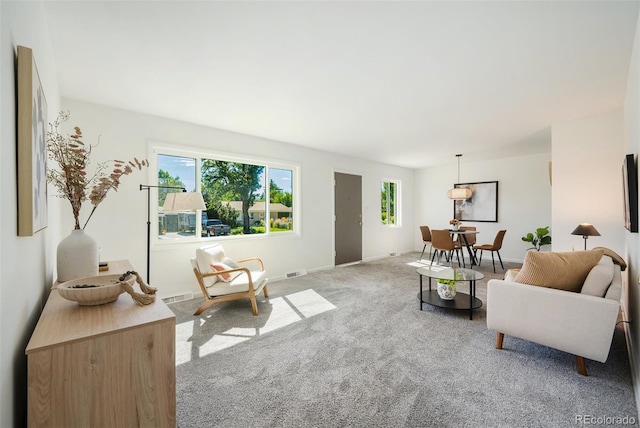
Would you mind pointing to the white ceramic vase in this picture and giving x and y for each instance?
(77, 256)
(446, 291)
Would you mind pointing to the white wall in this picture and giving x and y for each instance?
(587, 181)
(119, 224)
(524, 198)
(632, 240)
(25, 262)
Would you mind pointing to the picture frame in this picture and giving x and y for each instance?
(31, 146)
(482, 206)
(630, 191)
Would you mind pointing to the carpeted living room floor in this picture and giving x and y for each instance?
(351, 347)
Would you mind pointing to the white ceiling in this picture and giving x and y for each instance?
(405, 83)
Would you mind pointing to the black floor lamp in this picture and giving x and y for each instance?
(174, 202)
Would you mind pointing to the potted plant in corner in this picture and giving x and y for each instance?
(540, 238)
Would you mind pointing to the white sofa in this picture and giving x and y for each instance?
(580, 323)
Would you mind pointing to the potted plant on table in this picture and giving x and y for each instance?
(540, 238)
(77, 255)
(446, 288)
(455, 223)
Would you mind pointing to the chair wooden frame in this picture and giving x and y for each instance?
(249, 294)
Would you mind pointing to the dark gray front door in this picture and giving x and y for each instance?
(348, 218)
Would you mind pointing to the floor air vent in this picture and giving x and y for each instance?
(296, 273)
(178, 298)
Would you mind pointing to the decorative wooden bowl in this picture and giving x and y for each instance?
(94, 290)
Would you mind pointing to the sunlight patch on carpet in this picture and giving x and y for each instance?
(285, 311)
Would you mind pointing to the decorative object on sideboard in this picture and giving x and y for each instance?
(459, 193)
(99, 290)
(540, 238)
(31, 146)
(182, 201)
(586, 230)
(75, 184)
(77, 256)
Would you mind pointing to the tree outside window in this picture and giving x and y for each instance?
(234, 192)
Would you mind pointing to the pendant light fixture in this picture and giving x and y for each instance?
(460, 193)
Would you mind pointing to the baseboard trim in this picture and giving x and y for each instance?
(632, 361)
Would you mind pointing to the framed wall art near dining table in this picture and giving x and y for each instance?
(481, 206)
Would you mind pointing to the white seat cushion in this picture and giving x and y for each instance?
(239, 284)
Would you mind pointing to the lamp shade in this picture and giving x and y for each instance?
(585, 229)
(459, 193)
(183, 201)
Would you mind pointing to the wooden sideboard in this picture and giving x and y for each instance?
(107, 365)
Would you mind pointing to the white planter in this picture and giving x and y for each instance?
(446, 291)
(77, 256)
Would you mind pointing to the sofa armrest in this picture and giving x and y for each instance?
(572, 322)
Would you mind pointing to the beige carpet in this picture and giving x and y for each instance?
(351, 347)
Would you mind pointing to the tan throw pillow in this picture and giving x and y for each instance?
(226, 277)
(563, 271)
(599, 278)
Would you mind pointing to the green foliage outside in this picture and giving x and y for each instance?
(231, 181)
(388, 203)
(165, 179)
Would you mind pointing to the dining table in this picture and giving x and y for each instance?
(464, 233)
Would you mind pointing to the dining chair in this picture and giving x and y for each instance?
(494, 248)
(443, 244)
(470, 241)
(426, 239)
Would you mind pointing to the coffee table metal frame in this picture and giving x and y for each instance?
(461, 301)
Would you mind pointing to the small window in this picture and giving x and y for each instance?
(178, 172)
(389, 203)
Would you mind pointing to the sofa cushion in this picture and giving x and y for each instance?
(563, 271)
(599, 278)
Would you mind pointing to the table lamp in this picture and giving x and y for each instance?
(586, 230)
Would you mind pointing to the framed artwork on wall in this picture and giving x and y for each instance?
(630, 189)
(31, 146)
(481, 206)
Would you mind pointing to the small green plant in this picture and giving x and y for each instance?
(447, 281)
(540, 238)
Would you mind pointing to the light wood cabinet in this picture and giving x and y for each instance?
(111, 365)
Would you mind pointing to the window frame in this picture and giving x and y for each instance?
(397, 206)
(198, 153)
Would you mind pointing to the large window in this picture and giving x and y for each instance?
(236, 194)
(388, 203)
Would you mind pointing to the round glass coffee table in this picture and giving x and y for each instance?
(461, 301)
